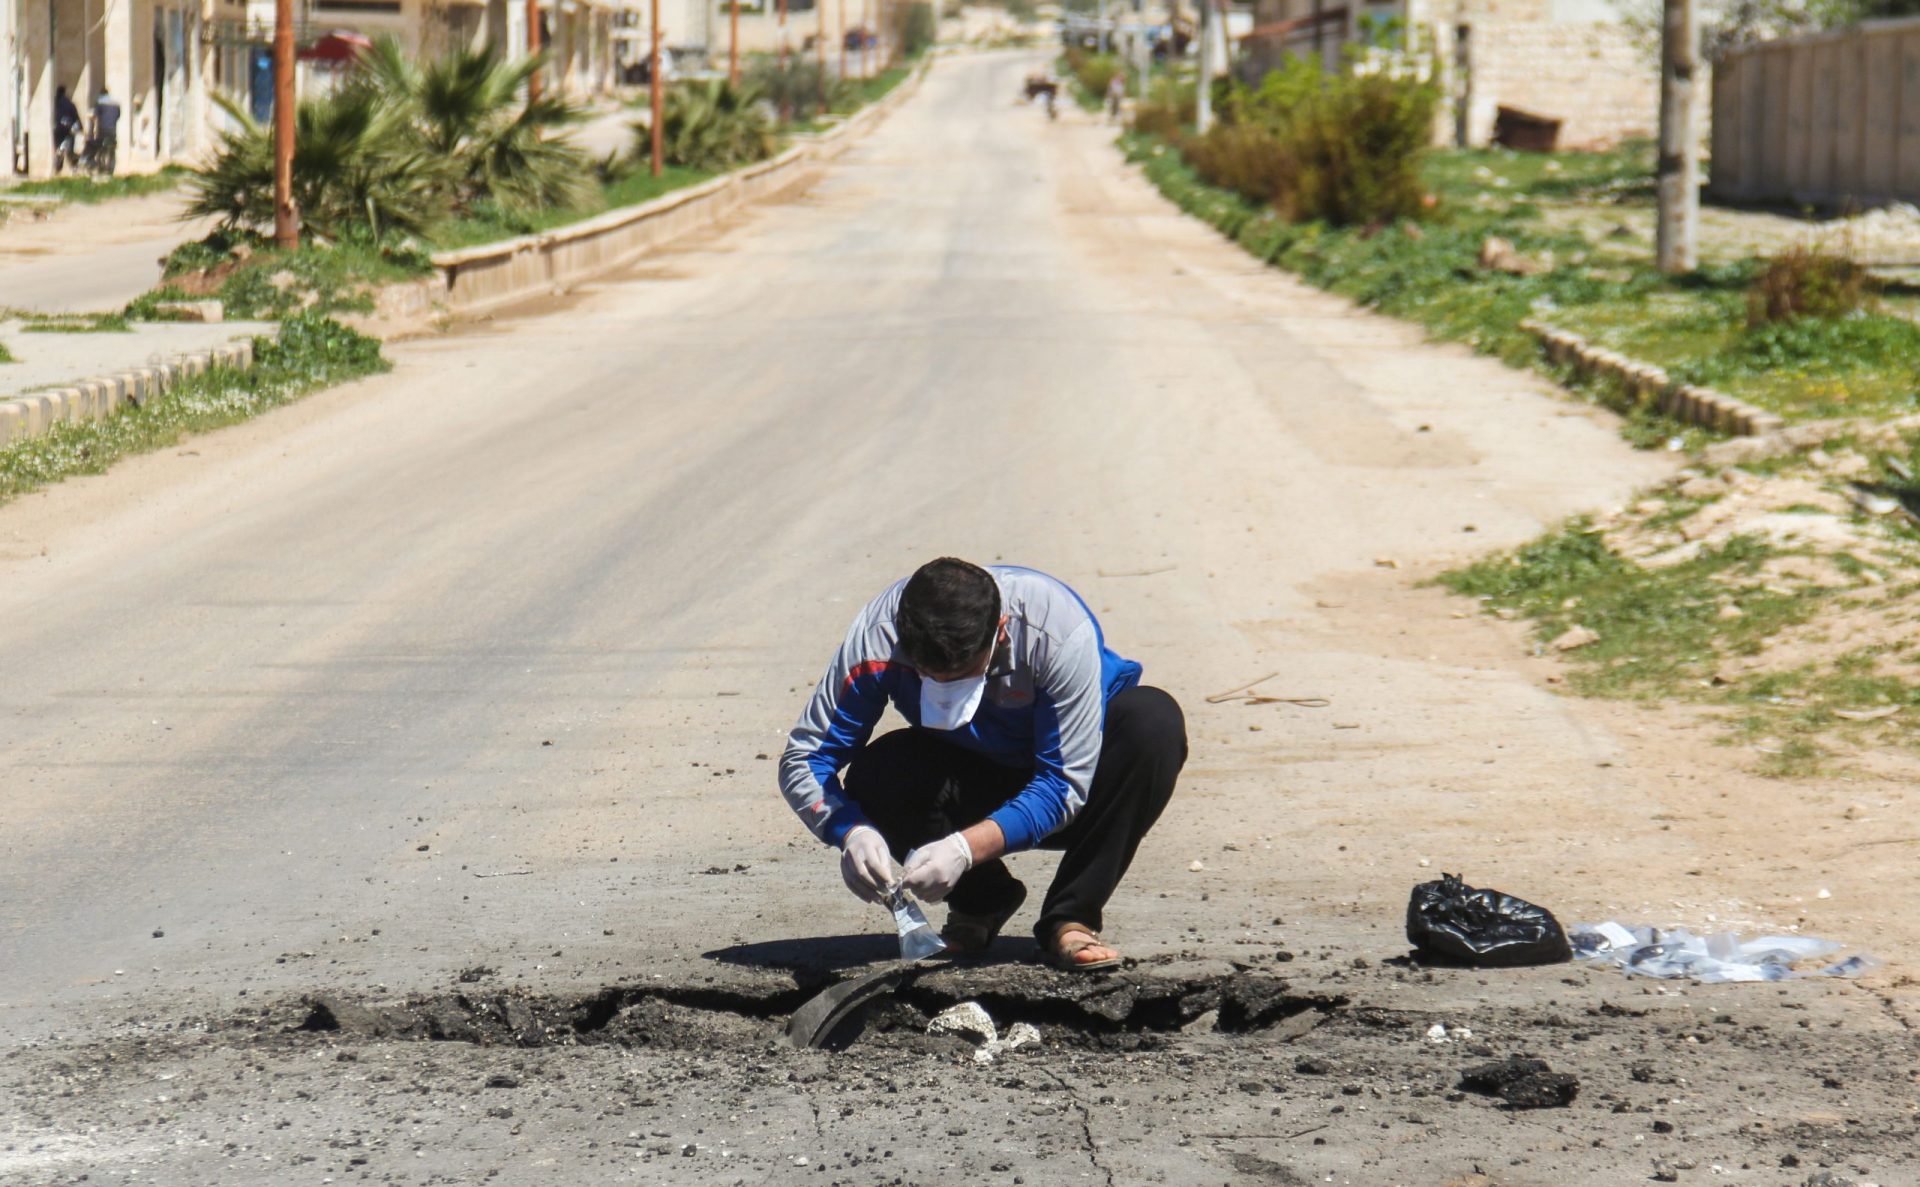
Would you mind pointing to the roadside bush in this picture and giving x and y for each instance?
(1093, 71)
(1357, 145)
(1167, 111)
(400, 146)
(915, 27)
(356, 170)
(1249, 159)
(800, 88)
(712, 126)
(1807, 282)
(1339, 148)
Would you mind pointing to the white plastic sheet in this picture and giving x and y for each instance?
(918, 940)
(1723, 957)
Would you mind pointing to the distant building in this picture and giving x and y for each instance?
(163, 60)
(1571, 61)
(152, 55)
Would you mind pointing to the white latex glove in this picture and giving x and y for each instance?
(933, 868)
(865, 865)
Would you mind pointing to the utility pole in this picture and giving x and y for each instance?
(1203, 92)
(820, 48)
(733, 45)
(286, 220)
(1677, 226)
(654, 90)
(533, 48)
(843, 37)
(783, 35)
(1101, 16)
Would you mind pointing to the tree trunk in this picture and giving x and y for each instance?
(1676, 230)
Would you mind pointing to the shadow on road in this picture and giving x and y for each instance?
(833, 954)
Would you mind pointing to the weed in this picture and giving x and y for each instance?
(1807, 282)
(1661, 631)
(310, 352)
(94, 323)
(269, 283)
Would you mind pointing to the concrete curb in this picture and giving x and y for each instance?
(96, 399)
(1647, 384)
(475, 279)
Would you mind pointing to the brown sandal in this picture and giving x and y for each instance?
(1060, 953)
(971, 935)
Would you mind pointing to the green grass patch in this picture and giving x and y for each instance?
(1695, 326)
(257, 281)
(491, 223)
(90, 323)
(1661, 630)
(87, 190)
(310, 352)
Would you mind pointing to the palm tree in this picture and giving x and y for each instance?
(712, 125)
(467, 108)
(357, 170)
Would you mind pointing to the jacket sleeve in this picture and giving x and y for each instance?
(834, 726)
(1069, 713)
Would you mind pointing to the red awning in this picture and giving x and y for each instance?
(337, 46)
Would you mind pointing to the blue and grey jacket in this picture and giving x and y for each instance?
(1048, 685)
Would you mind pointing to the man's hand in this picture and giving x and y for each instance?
(933, 868)
(865, 865)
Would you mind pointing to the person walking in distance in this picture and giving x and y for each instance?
(1023, 731)
(66, 129)
(105, 149)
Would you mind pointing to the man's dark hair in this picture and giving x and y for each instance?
(948, 615)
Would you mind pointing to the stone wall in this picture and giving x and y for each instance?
(1590, 74)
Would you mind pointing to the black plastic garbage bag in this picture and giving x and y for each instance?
(1449, 922)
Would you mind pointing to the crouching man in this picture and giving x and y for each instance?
(1023, 732)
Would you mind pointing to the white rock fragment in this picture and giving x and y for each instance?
(967, 1018)
(1574, 638)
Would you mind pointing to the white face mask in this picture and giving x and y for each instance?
(949, 704)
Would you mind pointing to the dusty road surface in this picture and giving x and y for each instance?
(389, 792)
(88, 259)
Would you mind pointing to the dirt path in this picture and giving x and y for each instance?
(454, 686)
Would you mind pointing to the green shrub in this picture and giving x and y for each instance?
(711, 125)
(356, 169)
(1093, 71)
(800, 88)
(1807, 282)
(1249, 159)
(1357, 145)
(1167, 111)
(1342, 148)
(399, 147)
(915, 27)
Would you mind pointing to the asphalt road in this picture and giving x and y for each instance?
(483, 664)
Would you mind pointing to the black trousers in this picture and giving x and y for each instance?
(916, 788)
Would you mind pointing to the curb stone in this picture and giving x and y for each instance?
(1650, 385)
(473, 280)
(96, 399)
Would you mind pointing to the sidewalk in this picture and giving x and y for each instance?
(92, 258)
(44, 361)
